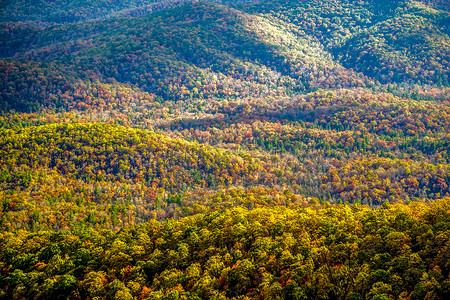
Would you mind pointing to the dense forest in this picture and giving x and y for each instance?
(185, 149)
(335, 252)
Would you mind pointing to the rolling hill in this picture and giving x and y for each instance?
(224, 149)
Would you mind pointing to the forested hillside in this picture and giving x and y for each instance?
(335, 252)
(50, 12)
(225, 149)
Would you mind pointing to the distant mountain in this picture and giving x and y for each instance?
(197, 50)
(57, 11)
(235, 149)
(438, 4)
(389, 41)
(205, 50)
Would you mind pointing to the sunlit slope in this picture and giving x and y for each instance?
(438, 4)
(99, 165)
(209, 50)
(342, 252)
(413, 45)
(349, 145)
(34, 86)
(389, 41)
(197, 50)
(115, 153)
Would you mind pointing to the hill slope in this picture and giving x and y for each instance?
(106, 165)
(264, 253)
(197, 50)
(77, 11)
(244, 150)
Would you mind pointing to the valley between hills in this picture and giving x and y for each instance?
(228, 149)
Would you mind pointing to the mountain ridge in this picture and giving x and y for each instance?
(273, 149)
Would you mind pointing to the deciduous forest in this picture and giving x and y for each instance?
(254, 149)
